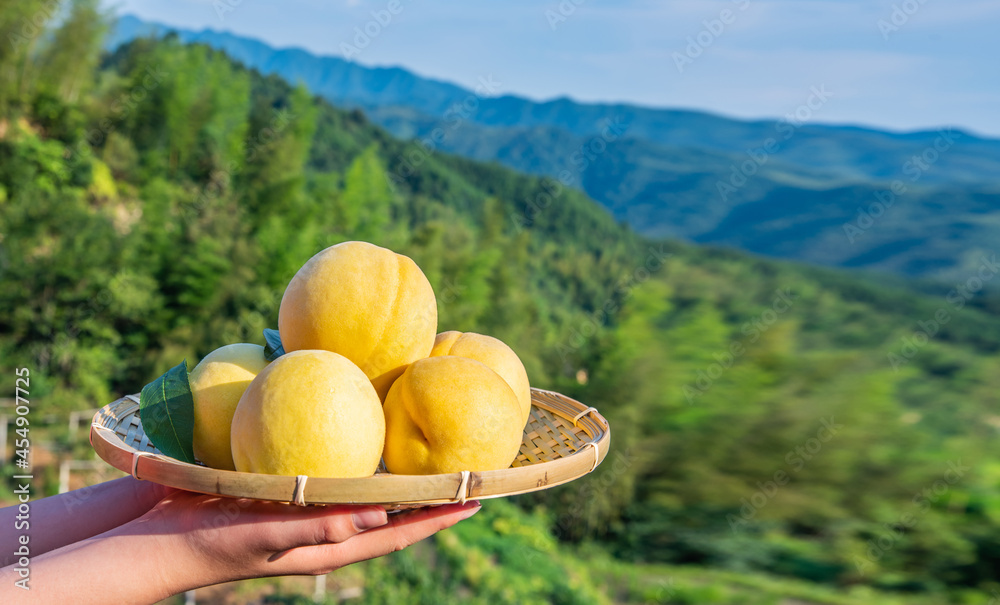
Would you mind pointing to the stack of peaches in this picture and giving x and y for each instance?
(364, 377)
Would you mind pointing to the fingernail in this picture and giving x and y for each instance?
(471, 508)
(369, 518)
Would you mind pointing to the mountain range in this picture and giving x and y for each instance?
(924, 204)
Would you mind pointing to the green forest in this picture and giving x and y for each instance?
(781, 433)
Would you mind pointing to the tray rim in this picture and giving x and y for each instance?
(389, 490)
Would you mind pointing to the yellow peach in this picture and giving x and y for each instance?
(495, 354)
(217, 383)
(367, 303)
(312, 413)
(448, 414)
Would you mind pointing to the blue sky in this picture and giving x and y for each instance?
(894, 64)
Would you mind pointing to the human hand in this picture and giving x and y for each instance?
(78, 515)
(211, 539)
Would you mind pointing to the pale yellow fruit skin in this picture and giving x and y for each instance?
(449, 414)
(495, 354)
(217, 383)
(367, 303)
(309, 413)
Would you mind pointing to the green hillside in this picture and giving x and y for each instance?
(782, 434)
(928, 218)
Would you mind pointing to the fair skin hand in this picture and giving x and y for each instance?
(189, 540)
(78, 515)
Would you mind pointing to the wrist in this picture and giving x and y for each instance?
(195, 533)
(187, 566)
(146, 494)
(148, 548)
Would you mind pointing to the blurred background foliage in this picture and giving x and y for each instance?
(155, 200)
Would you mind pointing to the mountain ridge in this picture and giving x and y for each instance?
(129, 26)
(682, 173)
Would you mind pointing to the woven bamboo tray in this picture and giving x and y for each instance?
(562, 441)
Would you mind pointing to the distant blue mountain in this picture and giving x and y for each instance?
(813, 192)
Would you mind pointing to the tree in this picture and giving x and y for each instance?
(68, 59)
(365, 205)
(22, 24)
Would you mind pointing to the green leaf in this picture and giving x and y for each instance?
(166, 408)
(273, 349)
